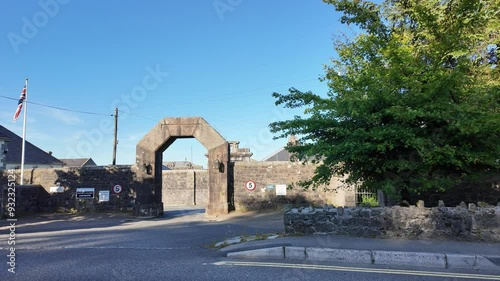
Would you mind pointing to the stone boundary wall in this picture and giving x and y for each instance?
(182, 187)
(29, 200)
(177, 189)
(100, 178)
(455, 223)
(268, 174)
(185, 187)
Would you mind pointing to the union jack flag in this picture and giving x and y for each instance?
(20, 103)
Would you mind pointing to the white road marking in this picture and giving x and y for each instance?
(99, 247)
(360, 269)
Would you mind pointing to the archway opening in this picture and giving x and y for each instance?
(185, 174)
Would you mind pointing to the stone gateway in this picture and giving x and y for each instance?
(149, 162)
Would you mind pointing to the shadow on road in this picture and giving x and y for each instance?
(188, 224)
(182, 211)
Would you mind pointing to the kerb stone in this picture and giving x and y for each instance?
(295, 253)
(275, 252)
(409, 258)
(339, 255)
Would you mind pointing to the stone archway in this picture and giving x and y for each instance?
(149, 152)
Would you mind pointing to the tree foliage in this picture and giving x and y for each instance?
(413, 100)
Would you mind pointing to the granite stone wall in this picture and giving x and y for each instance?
(69, 179)
(27, 200)
(185, 188)
(267, 175)
(467, 223)
(190, 187)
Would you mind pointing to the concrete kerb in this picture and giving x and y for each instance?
(339, 255)
(473, 262)
(274, 252)
(397, 258)
(409, 258)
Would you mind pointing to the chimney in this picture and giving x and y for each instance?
(50, 153)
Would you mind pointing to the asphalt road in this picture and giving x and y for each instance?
(118, 247)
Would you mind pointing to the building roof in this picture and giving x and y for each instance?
(78, 162)
(281, 155)
(33, 155)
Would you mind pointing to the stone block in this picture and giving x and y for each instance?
(461, 261)
(354, 212)
(420, 204)
(339, 255)
(365, 213)
(487, 263)
(275, 252)
(409, 258)
(295, 253)
(376, 211)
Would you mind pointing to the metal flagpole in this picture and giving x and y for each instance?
(24, 132)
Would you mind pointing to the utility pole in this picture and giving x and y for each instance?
(115, 142)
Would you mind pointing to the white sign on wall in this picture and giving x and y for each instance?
(85, 193)
(56, 189)
(103, 195)
(281, 189)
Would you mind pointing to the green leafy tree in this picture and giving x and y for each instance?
(413, 101)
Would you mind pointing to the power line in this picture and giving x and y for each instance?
(70, 110)
(9, 98)
(60, 108)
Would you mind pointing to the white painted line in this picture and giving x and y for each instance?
(360, 269)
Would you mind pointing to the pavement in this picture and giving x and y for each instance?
(394, 252)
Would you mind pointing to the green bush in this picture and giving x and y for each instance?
(369, 201)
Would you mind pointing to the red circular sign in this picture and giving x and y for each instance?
(117, 189)
(250, 185)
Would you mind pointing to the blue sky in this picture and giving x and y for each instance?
(219, 59)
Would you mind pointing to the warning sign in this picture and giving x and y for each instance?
(250, 185)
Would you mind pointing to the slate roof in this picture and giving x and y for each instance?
(280, 155)
(33, 155)
(78, 162)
